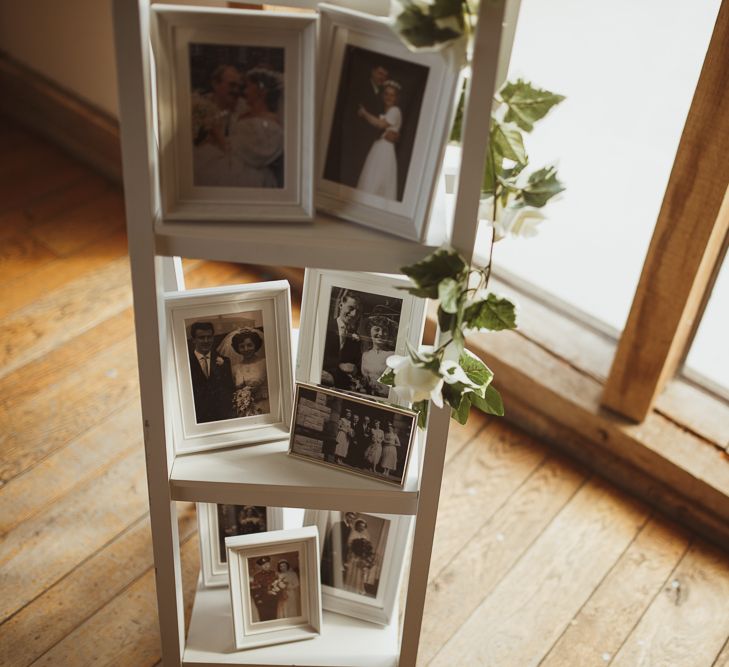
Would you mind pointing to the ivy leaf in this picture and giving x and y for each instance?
(387, 378)
(448, 292)
(541, 187)
(458, 120)
(445, 320)
(527, 104)
(491, 403)
(507, 141)
(460, 414)
(494, 313)
(429, 272)
(493, 164)
(443, 8)
(421, 407)
(476, 370)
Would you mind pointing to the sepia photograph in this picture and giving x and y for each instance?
(274, 583)
(352, 434)
(385, 118)
(231, 348)
(216, 522)
(362, 556)
(237, 107)
(235, 97)
(350, 325)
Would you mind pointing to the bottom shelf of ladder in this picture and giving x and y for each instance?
(344, 641)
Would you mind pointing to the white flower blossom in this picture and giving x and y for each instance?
(414, 382)
(515, 220)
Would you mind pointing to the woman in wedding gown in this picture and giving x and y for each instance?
(381, 330)
(288, 583)
(379, 173)
(242, 347)
(390, 445)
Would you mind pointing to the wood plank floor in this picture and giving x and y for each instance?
(535, 561)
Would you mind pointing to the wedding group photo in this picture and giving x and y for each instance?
(375, 122)
(352, 434)
(238, 120)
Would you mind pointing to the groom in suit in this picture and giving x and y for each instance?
(212, 379)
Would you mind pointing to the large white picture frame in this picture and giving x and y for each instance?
(236, 396)
(364, 174)
(248, 520)
(354, 581)
(270, 604)
(235, 100)
(381, 301)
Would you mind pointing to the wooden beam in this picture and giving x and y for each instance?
(686, 244)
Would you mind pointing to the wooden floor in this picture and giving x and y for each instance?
(535, 560)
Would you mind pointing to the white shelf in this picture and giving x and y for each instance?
(266, 475)
(344, 641)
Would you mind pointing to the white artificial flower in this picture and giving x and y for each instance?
(515, 220)
(452, 373)
(415, 383)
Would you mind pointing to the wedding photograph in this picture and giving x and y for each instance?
(231, 349)
(375, 122)
(237, 107)
(228, 366)
(275, 587)
(352, 434)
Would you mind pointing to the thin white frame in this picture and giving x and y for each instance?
(315, 302)
(407, 218)
(355, 398)
(375, 610)
(173, 29)
(304, 540)
(214, 570)
(273, 299)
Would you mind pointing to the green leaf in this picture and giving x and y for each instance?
(491, 403)
(448, 292)
(460, 414)
(421, 407)
(541, 187)
(458, 119)
(476, 370)
(416, 291)
(494, 313)
(493, 164)
(527, 104)
(388, 378)
(507, 141)
(445, 320)
(439, 265)
(443, 8)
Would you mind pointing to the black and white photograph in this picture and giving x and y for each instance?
(236, 113)
(361, 334)
(228, 366)
(231, 349)
(274, 585)
(375, 122)
(350, 324)
(352, 434)
(385, 117)
(216, 522)
(362, 557)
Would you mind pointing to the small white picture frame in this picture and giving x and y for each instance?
(386, 114)
(275, 603)
(235, 101)
(337, 349)
(216, 522)
(324, 431)
(242, 393)
(357, 580)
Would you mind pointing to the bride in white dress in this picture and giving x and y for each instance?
(248, 365)
(379, 173)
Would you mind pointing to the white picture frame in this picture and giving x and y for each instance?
(266, 146)
(213, 555)
(258, 619)
(382, 300)
(425, 89)
(262, 386)
(371, 594)
(322, 432)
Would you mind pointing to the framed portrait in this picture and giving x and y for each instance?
(386, 114)
(216, 522)
(350, 324)
(232, 360)
(351, 433)
(274, 586)
(235, 103)
(361, 561)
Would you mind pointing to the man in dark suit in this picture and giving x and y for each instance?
(342, 345)
(334, 554)
(360, 441)
(264, 598)
(212, 379)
